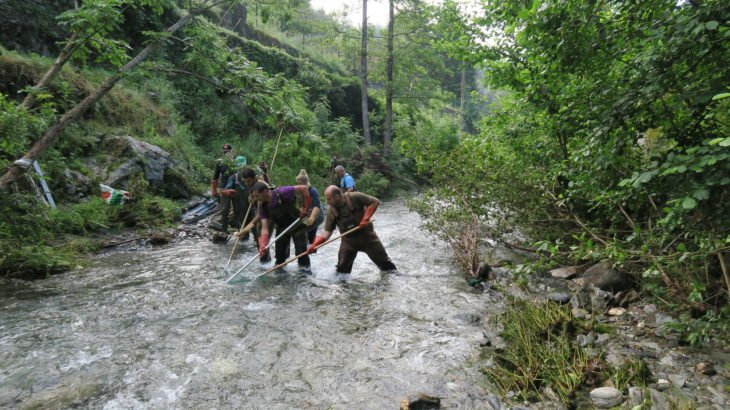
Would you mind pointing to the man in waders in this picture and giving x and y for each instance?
(239, 192)
(250, 178)
(225, 166)
(347, 211)
(347, 182)
(278, 208)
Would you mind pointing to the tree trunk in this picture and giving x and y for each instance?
(463, 98)
(387, 135)
(29, 100)
(364, 74)
(17, 169)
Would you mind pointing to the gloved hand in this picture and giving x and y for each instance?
(263, 241)
(306, 206)
(317, 241)
(214, 188)
(243, 232)
(369, 211)
(228, 192)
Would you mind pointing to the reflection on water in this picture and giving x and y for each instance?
(161, 329)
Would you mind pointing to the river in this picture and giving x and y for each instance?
(158, 328)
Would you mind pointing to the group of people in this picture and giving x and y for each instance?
(295, 212)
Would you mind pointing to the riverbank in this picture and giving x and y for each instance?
(629, 349)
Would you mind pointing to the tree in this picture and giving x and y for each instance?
(387, 134)
(364, 74)
(71, 116)
(90, 25)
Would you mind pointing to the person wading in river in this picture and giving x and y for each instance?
(250, 178)
(278, 208)
(225, 167)
(316, 217)
(347, 211)
(347, 182)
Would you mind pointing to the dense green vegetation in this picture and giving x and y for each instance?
(223, 78)
(610, 140)
(591, 130)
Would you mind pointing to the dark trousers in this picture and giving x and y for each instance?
(298, 235)
(225, 206)
(367, 242)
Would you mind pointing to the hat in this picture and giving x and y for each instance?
(227, 147)
(240, 161)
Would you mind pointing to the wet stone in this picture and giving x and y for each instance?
(678, 380)
(562, 298)
(636, 396)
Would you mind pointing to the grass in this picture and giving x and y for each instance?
(540, 353)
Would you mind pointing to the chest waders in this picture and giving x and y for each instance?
(282, 216)
(362, 240)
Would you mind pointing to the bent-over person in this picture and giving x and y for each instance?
(347, 211)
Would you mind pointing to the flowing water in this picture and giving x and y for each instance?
(159, 328)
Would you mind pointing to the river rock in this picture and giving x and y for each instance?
(663, 384)
(616, 311)
(606, 397)
(593, 299)
(650, 309)
(658, 401)
(636, 396)
(562, 298)
(77, 183)
(678, 380)
(420, 402)
(706, 368)
(602, 339)
(564, 273)
(603, 276)
(141, 158)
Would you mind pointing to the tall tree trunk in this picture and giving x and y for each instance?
(30, 100)
(463, 98)
(52, 134)
(364, 75)
(387, 135)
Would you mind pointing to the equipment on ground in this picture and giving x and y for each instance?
(199, 211)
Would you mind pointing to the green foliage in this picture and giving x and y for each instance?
(28, 240)
(632, 373)
(711, 326)
(611, 141)
(19, 128)
(373, 183)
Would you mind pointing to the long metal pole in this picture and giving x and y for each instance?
(293, 258)
(238, 237)
(271, 243)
